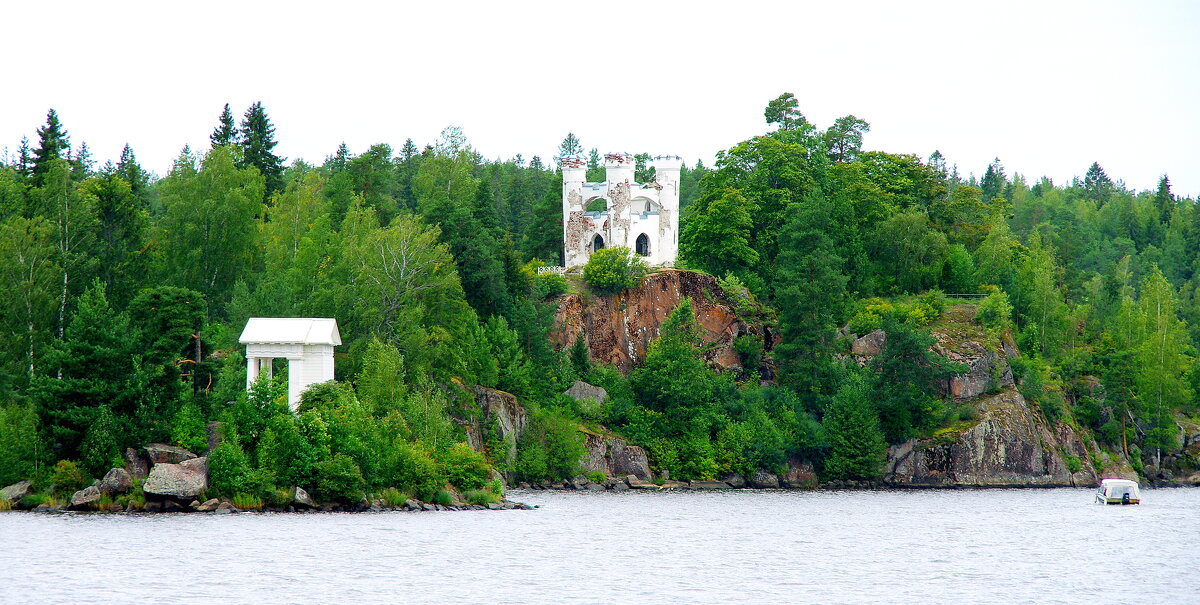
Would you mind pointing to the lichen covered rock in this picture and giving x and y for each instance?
(1007, 446)
(614, 457)
(183, 481)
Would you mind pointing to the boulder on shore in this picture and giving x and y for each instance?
(116, 481)
(15, 492)
(161, 453)
(184, 480)
(135, 465)
(301, 498)
(764, 480)
(85, 499)
(614, 457)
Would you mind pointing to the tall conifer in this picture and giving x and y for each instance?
(257, 138)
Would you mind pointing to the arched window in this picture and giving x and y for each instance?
(597, 243)
(597, 205)
(643, 245)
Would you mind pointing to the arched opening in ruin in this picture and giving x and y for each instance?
(597, 243)
(642, 246)
(597, 205)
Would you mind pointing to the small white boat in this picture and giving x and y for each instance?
(1118, 491)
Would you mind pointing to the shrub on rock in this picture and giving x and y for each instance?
(613, 270)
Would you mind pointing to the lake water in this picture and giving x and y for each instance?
(962, 546)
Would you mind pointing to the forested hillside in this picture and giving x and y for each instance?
(127, 292)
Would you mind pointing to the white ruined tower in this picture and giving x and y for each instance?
(643, 217)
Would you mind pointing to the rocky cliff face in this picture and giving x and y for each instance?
(1009, 445)
(619, 328)
(502, 413)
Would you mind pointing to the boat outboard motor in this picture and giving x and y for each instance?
(1125, 498)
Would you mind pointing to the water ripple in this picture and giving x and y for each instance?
(1046, 546)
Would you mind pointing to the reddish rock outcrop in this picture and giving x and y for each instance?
(619, 328)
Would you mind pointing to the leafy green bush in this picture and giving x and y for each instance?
(67, 478)
(393, 497)
(188, 429)
(749, 348)
(229, 469)
(101, 444)
(340, 480)
(464, 468)
(613, 270)
(1074, 464)
(864, 322)
(935, 300)
(481, 497)
(596, 476)
(19, 443)
(409, 467)
(443, 497)
(995, 312)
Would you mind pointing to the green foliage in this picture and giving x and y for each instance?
(21, 449)
(1074, 464)
(229, 471)
(66, 477)
(100, 444)
(339, 480)
(995, 313)
(906, 373)
(613, 270)
(857, 447)
(463, 467)
(410, 468)
(716, 239)
(188, 429)
(443, 498)
(482, 497)
(246, 502)
(550, 448)
(98, 370)
(749, 348)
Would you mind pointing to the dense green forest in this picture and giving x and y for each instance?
(127, 292)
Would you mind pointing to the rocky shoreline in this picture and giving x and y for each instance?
(167, 479)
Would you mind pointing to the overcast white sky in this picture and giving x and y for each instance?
(1048, 87)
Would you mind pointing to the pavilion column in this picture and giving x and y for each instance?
(252, 364)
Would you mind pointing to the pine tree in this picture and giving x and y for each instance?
(257, 138)
(225, 133)
(53, 144)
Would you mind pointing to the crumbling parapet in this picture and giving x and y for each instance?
(640, 216)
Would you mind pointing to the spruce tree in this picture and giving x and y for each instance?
(53, 143)
(225, 133)
(129, 169)
(257, 139)
(857, 448)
